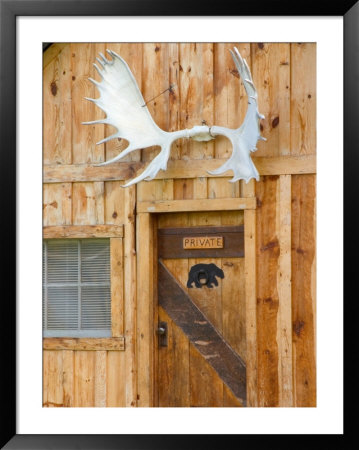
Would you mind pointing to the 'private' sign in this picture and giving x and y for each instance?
(202, 242)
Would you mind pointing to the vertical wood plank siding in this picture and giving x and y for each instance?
(277, 300)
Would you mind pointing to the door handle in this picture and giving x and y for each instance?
(162, 334)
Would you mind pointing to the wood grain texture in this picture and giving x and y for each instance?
(57, 119)
(100, 378)
(196, 89)
(303, 98)
(130, 296)
(87, 204)
(114, 203)
(57, 204)
(284, 284)
(271, 74)
(116, 379)
(304, 289)
(145, 324)
(155, 88)
(68, 377)
(52, 379)
(84, 138)
(82, 231)
(250, 270)
(267, 292)
(196, 205)
(117, 296)
(84, 380)
(276, 165)
(84, 344)
(173, 377)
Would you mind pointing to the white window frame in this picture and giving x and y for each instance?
(72, 333)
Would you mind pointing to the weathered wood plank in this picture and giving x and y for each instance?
(304, 289)
(100, 378)
(303, 124)
(57, 119)
(52, 379)
(196, 205)
(174, 98)
(84, 381)
(251, 298)
(206, 387)
(114, 203)
(85, 204)
(173, 382)
(116, 379)
(234, 304)
(84, 137)
(99, 191)
(267, 292)
(130, 296)
(82, 231)
(68, 377)
(196, 91)
(86, 172)
(284, 275)
(272, 75)
(280, 165)
(155, 88)
(145, 325)
(57, 204)
(117, 298)
(84, 344)
(228, 365)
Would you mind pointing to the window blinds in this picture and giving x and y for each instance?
(76, 288)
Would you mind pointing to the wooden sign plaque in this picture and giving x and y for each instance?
(201, 242)
(190, 243)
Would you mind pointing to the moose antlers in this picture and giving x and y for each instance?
(122, 101)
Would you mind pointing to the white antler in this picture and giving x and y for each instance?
(122, 101)
(244, 139)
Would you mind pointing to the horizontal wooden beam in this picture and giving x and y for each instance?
(93, 344)
(215, 204)
(193, 168)
(82, 231)
(61, 173)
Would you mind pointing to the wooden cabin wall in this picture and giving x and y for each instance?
(281, 339)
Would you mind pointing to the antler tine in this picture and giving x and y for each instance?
(98, 70)
(101, 62)
(160, 162)
(96, 83)
(94, 122)
(105, 60)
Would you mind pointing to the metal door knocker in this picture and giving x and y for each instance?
(204, 275)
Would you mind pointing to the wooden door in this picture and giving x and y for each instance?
(201, 317)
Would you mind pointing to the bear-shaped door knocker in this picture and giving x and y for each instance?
(204, 275)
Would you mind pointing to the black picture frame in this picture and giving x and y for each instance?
(9, 10)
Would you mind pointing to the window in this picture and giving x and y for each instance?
(76, 288)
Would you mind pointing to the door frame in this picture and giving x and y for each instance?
(147, 305)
